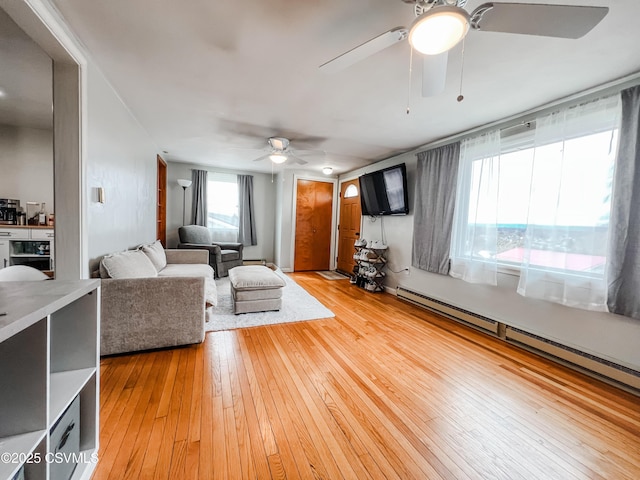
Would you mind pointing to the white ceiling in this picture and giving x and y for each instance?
(211, 80)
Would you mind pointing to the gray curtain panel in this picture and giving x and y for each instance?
(435, 197)
(199, 199)
(623, 260)
(247, 218)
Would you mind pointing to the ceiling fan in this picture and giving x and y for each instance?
(280, 151)
(441, 24)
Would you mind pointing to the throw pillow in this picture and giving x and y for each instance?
(155, 252)
(128, 264)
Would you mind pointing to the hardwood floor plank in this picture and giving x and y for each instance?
(291, 404)
(341, 450)
(121, 417)
(265, 398)
(148, 470)
(167, 454)
(141, 426)
(205, 464)
(385, 390)
(219, 450)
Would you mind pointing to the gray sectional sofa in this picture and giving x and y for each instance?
(154, 298)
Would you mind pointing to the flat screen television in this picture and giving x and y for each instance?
(384, 192)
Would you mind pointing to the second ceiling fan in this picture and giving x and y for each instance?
(280, 151)
(441, 24)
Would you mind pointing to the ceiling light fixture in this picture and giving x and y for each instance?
(327, 170)
(278, 158)
(439, 29)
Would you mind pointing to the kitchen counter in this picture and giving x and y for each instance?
(44, 227)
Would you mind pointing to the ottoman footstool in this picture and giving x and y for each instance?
(255, 288)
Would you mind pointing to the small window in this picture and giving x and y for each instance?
(351, 191)
(222, 206)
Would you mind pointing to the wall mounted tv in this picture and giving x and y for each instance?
(384, 192)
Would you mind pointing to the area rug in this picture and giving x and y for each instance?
(297, 305)
(330, 275)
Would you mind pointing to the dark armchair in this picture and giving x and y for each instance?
(222, 256)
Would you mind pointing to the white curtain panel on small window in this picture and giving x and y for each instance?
(565, 241)
(475, 229)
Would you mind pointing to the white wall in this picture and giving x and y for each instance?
(121, 158)
(264, 190)
(608, 336)
(26, 165)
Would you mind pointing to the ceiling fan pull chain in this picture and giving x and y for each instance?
(460, 96)
(410, 71)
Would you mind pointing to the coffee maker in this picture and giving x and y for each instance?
(9, 211)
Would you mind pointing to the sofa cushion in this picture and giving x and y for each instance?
(186, 270)
(194, 234)
(155, 252)
(254, 277)
(128, 264)
(194, 270)
(228, 255)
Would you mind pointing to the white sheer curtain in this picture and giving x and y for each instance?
(565, 242)
(475, 229)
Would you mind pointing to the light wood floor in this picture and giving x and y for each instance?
(383, 390)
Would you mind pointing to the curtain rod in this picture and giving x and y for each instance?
(608, 88)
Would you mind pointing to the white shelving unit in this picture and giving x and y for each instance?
(49, 355)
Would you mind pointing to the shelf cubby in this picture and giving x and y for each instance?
(49, 354)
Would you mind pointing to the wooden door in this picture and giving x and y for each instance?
(313, 225)
(161, 217)
(349, 227)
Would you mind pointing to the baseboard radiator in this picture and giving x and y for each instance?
(259, 261)
(611, 372)
(465, 316)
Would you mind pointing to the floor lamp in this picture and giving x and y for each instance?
(184, 183)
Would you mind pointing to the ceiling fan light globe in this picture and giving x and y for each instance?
(278, 158)
(439, 29)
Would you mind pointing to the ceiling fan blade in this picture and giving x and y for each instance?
(434, 74)
(365, 50)
(562, 21)
(298, 160)
(263, 157)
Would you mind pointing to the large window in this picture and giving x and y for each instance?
(564, 202)
(222, 207)
(538, 201)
